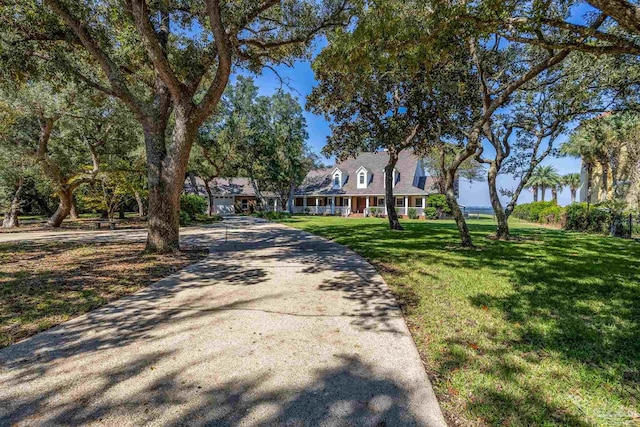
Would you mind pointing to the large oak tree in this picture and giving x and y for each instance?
(169, 61)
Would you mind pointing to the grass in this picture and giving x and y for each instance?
(44, 284)
(544, 330)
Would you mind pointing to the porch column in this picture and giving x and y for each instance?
(333, 204)
(349, 204)
(367, 205)
(406, 205)
(317, 204)
(275, 205)
(424, 203)
(304, 204)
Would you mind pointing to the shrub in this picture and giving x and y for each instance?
(374, 212)
(439, 202)
(580, 217)
(273, 215)
(531, 211)
(412, 213)
(550, 215)
(193, 205)
(430, 213)
(185, 219)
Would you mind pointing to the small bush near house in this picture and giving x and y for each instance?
(531, 211)
(185, 219)
(412, 213)
(374, 212)
(273, 215)
(439, 202)
(193, 205)
(430, 213)
(209, 219)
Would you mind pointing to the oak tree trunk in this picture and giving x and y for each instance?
(502, 231)
(11, 214)
(140, 204)
(207, 188)
(166, 172)
(65, 195)
(458, 216)
(392, 215)
(73, 213)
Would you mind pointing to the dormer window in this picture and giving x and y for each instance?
(363, 177)
(337, 179)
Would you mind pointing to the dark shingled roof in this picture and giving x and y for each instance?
(319, 182)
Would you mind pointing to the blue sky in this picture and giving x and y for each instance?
(300, 81)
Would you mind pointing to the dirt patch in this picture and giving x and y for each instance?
(44, 284)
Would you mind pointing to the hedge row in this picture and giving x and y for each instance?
(577, 216)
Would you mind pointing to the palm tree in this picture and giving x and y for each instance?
(543, 177)
(573, 181)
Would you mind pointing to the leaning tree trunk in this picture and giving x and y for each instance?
(392, 215)
(11, 214)
(73, 213)
(166, 172)
(450, 194)
(140, 204)
(502, 231)
(65, 195)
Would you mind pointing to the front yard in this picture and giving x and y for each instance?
(540, 331)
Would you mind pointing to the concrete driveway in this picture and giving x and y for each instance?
(275, 327)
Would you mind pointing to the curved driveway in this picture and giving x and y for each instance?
(275, 327)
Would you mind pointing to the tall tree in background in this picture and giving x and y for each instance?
(544, 177)
(168, 60)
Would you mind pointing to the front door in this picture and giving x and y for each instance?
(362, 204)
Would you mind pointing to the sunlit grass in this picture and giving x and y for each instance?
(543, 330)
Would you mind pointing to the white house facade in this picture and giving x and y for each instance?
(356, 187)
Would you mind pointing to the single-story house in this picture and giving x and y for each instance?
(230, 195)
(357, 186)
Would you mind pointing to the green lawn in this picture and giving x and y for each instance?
(540, 331)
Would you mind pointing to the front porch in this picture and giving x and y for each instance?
(365, 205)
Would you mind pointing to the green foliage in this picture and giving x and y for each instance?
(185, 218)
(430, 212)
(531, 211)
(582, 217)
(412, 213)
(193, 205)
(439, 202)
(551, 215)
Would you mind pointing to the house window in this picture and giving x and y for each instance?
(245, 204)
(418, 202)
(399, 202)
(336, 180)
(381, 201)
(361, 178)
